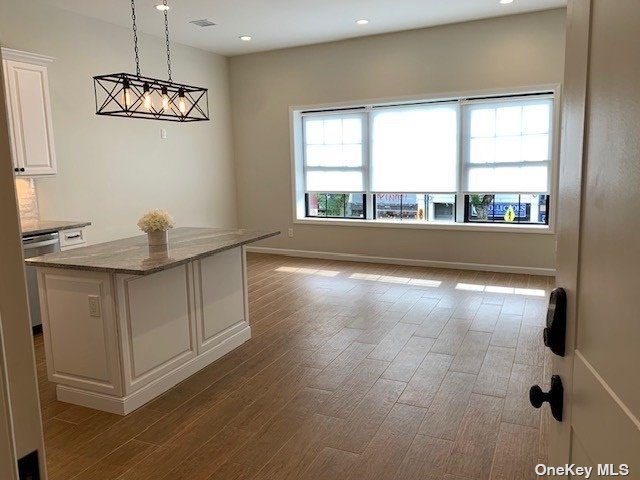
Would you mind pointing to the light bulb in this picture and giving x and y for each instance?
(126, 93)
(148, 105)
(182, 103)
(165, 99)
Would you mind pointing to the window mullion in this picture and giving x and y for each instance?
(461, 173)
(367, 161)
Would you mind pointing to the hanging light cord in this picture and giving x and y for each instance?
(135, 36)
(166, 30)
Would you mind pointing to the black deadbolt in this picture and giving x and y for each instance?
(554, 396)
(555, 333)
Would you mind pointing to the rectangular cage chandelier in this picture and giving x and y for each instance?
(135, 96)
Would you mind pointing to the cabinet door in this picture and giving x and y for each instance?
(220, 297)
(30, 118)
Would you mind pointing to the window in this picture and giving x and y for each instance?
(507, 146)
(466, 160)
(334, 154)
(507, 208)
(336, 205)
(414, 149)
(420, 207)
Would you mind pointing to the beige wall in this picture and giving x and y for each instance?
(112, 170)
(497, 53)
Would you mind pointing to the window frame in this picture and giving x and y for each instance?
(366, 106)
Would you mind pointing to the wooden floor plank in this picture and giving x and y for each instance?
(432, 326)
(471, 354)
(516, 453)
(386, 451)
(393, 342)
(347, 397)
(341, 368)
(360, 428)
(475, 443)
(425, 383)
(449, 406)
(297, 454)
(426, 459)
(517, 408)
(330, 464)
(452, 336)
(409, 359)
(117, 462)
(530, 348)
(486, 318)
(506, 331)
(493, 378)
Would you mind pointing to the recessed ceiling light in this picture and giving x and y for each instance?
(245, 38)
(362, 22)
(162, 7)
(505, 2)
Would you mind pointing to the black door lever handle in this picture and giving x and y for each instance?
(554, 396)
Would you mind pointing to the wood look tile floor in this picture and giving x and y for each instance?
(355, 371)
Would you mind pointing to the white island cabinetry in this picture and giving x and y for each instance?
(114, 341)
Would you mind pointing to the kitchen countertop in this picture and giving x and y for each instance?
(37, 227)
(134, 256)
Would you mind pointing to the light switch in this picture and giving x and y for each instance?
(94, 306)
(163, 133)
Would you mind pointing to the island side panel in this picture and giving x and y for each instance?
(221, 298)
(79, 327)
(157, 324)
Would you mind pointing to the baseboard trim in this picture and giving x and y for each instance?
(351, 257)
(127, 404)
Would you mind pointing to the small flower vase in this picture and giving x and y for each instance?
(157, 237)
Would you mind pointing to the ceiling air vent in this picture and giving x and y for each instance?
(203, 23)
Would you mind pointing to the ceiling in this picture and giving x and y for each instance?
(277, 24)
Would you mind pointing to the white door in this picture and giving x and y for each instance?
(599, 240)
(30, 124)
(7, 449)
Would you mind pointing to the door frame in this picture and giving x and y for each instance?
(573, 148)
(19, 378)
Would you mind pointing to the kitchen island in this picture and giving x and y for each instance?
(124, 322)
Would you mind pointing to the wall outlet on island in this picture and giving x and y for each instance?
(94, 306)
(291, 232)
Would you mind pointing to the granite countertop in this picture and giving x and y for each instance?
(37, 227)
(134, 256)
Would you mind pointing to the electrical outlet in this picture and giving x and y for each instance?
(163, 133)
(94, 306)
(291, 232)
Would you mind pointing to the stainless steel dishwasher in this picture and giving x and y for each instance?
(34, 246)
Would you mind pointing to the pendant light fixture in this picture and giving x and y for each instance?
(135, 96)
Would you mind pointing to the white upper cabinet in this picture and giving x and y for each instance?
(29, 112)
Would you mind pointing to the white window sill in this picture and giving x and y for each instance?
(495, 228)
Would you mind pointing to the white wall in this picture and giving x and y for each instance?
(505, 52)
(111, 170)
